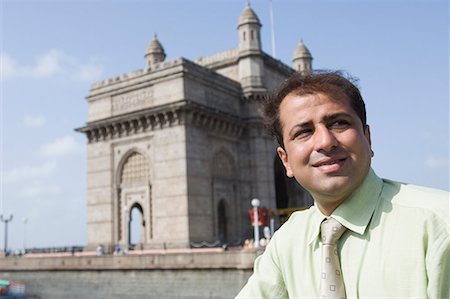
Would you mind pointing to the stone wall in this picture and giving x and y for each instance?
(200, 273)
(130, 284)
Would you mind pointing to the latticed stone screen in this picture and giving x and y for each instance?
(135, 169)
(223, 165)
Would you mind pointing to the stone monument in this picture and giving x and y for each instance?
(182, 143)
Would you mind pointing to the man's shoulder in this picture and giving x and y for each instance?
(298, 230)
(417, 197)
(299, 219)
(302, 215)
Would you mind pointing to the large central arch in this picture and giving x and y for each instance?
(288, 192)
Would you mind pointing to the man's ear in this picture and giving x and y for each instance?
(367, 135)
(284, 158)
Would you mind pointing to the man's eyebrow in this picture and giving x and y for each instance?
(302, 125)
(334, 116)
(327, 118)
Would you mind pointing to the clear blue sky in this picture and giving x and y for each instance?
(53, 50)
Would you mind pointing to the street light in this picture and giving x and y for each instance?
(24, 220)
(255, 204)
(6, 230)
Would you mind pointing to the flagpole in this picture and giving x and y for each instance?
(274, 54)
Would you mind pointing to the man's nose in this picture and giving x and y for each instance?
(324, 139)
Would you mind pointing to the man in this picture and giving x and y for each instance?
(365, 237)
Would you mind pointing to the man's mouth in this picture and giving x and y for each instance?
(328, 162)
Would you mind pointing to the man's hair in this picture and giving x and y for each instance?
(333, 84)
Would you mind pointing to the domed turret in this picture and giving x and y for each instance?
(251, 64)
(249, 28)
(155, 52)
(302, 59)
(248, 16)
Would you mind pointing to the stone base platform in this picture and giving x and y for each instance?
(183, 273)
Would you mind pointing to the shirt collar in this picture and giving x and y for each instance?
(317, 219)
(357, 210)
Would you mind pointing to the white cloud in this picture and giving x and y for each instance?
(8, 66)
(29, 172)
(89, 73)
(434, 162)
(52, 63)
(60, 147)
(38, 189)
(47, 65)
(34, 120)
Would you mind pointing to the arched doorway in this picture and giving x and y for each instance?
(133, 201)
(226, 226)
(281, 195)
(136, 226)
(289, 193)
(222, 221)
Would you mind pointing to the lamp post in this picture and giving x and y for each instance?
(24, 220)
(4, 220)
(255, 204)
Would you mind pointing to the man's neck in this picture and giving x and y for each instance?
(327, 203)
(327, 207)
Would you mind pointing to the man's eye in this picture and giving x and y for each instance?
(302, 133)
(340, 124)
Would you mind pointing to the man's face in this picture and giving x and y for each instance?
(327, 149)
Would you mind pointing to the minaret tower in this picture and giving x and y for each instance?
(302, 59)
(155, 52)
(249, 28)
(251, 65)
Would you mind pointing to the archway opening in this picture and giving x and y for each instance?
(225, 214)
(282, 197)
(289, 193)
(222, 221)
(136, 225)
(132, 188)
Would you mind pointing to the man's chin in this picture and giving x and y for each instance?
(332, 185)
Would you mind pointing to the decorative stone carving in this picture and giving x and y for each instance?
(171, 115)
(133, 100)
(136, 168)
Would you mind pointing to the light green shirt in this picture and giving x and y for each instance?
(396, 246)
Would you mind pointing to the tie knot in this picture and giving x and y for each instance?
(331, 230)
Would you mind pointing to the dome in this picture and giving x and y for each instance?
(155, 47)
(302, 51)
(248, 16)
(155, 52)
